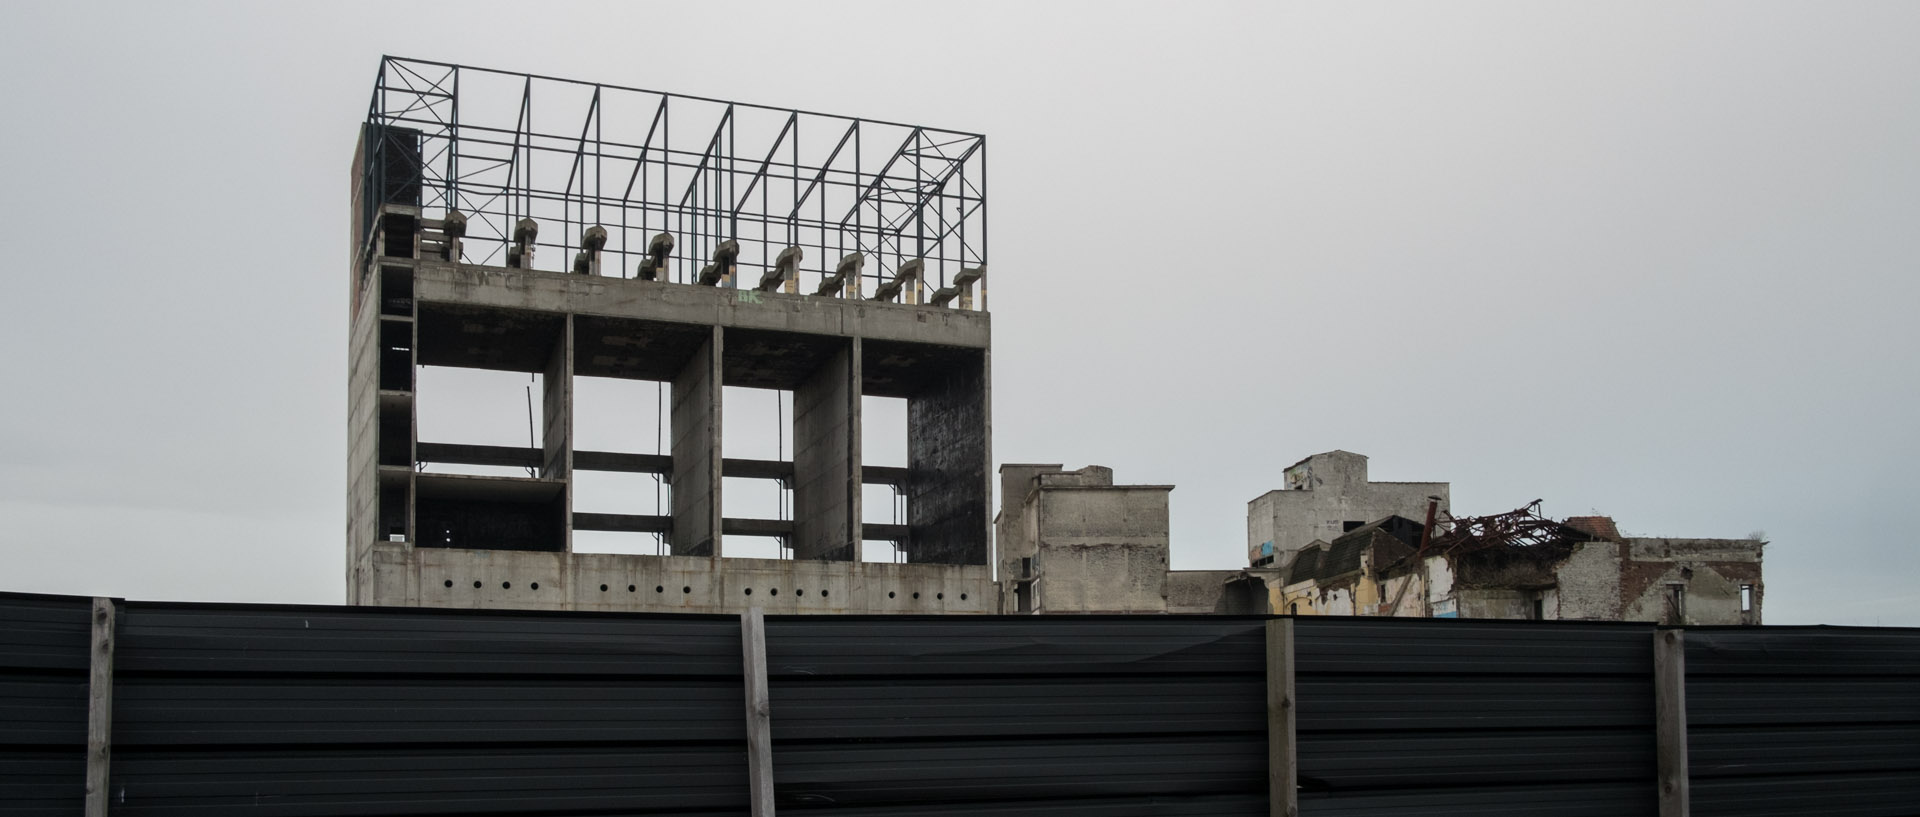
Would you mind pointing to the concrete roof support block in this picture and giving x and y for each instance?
(845, 279)
(909, 273)
(520, 255)
(654, 266)
(785, 269)
(725, 262)
(962, 288)
(587, 261)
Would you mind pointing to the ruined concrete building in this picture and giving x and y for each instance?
(636, 235)
(1516, 565)
(1327, 495)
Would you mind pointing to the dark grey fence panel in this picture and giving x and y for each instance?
(44, 643)
(1804, 720)
(320, 711)
(1474, 717)
(228, 709)
(1018, 716)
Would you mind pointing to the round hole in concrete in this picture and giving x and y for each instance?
(963, 597)
(889, 594)
(686, 589)
(939, 596)
(536, 585)
(449, 582)
(774, 592)
(630, 588)
(659, 588)
(603, 588)
(823, 594)
(800, 593)
(916, 595)
(749, 591)
(476, 584)
(506, 585)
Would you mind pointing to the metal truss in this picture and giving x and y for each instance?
(499, 147)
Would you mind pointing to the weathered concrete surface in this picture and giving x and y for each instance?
(1709, 572)
(1094, 547)
(695, 427)
(1215, 592)
(534, 290)
(826, 460)
(948, 456)
(442, 577)
(1015, 532)
(1325, 495)
(700, 339)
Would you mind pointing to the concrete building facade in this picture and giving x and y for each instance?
(418, 537)
(1074, 542)
(1327, 495)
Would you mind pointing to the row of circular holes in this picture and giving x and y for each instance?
(663, 589)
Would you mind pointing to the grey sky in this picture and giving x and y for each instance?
(1651, 260)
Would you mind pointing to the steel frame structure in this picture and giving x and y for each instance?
(500, 146)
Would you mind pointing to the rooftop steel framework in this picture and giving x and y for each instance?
(500, 146)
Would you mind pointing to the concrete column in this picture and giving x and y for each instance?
(696, 453)
(556, 462)
(947, 462)
(826, 460)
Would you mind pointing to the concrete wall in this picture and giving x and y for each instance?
(1102, 548)
(1094, 547)
(1710, 571)
(1216, 592)
(948, 455)
(529, 580)
(1589, 583)
(1323, 493)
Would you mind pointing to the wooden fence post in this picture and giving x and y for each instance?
(100, 709)
(1283, 765)
(753, 640)
(1670, 721)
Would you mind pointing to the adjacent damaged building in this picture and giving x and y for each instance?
(1520, 565)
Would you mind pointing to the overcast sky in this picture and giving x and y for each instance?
(1650, 260)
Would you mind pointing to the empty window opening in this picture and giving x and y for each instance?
(882, 505)
(396, 291)
(1746, 598)
(621, 542)
(883, 431)
(754, 547)
(1676, 604)
(748, 498)
(620, 492)
(757, 424)
(1539, 609)
(877, 550)
(396, 356)
(481, 407)
(623, 416)
(1350, 525)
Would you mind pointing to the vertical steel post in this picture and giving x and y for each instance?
(1670, 721)
(753, 643)
(1283, 764)
(100, 709)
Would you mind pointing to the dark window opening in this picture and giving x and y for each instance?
(1349, 526)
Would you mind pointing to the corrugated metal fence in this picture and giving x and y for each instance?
(284, 710)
